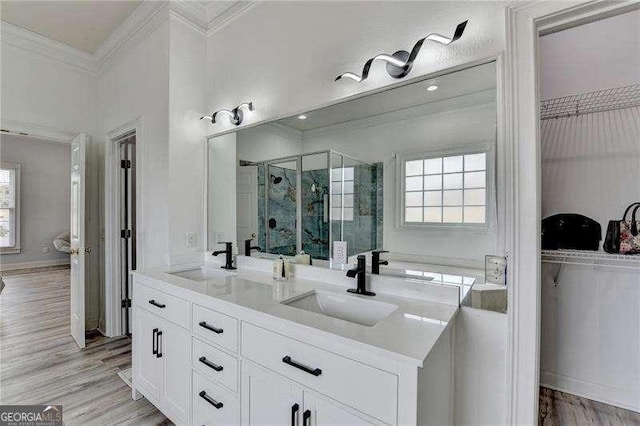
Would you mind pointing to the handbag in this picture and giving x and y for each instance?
(622, 235)
(570, 231)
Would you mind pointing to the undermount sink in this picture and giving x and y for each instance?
(344, 307)
(203, 274)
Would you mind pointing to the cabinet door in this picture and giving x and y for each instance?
(324, 412)
(269, 399)
(175, 348)
(147, 365)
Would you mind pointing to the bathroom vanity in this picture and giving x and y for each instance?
(218, 347)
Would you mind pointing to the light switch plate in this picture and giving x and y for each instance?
(495, 269)
(340, 252)
(218, 236)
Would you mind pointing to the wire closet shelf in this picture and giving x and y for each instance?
(591, 258)
(590, 102)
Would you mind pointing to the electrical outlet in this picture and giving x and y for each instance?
(340, 252)
(191, 239)
(45, 249)
(495, 269)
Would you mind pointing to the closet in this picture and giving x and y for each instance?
(590, 165)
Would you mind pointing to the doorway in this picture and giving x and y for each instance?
(126, 150)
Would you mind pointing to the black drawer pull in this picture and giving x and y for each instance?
(208, 363)
(156, 304)
(306, 416)
(204, 324)
(294, 413)
(314, 371)
(210, 400)
(154, 342)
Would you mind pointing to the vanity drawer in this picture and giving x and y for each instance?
(214, 327)
(164, 305)
(360, 386)
(213, 405)
(215, 365)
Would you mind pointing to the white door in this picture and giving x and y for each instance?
(148, 359)
(269, 399)
(247, 203)
(78, 147)
(175, 350)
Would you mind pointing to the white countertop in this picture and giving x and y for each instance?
(409, 333)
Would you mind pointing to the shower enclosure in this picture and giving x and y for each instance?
(307, 201)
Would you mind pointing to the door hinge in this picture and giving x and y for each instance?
(125, 164)
(126, 303)
(125, 233)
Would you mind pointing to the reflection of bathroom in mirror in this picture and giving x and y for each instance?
(408, 170)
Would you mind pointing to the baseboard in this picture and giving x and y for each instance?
(594, 391)
(35, 264)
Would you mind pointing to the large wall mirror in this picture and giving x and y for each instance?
(409, 170)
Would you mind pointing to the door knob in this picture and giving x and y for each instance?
(88, 250)
(74, 251)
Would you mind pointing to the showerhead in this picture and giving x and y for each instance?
(276, 179)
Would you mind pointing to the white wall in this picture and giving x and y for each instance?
(51, 94)
(452, 126)
(597, 61)
(135, 85)
(590, 332)
(268, 142)
(44, 196)
(186, 140)
(284, 56)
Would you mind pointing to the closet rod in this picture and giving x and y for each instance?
(591, 102)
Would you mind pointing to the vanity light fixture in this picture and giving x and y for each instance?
(302, 117)
(432, 88)
(400, 63)
(235, 115)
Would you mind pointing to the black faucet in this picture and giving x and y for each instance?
(376, 262)
(360, 273)
(248, 247)
(229, 255)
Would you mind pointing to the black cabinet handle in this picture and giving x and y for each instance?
(204, 324)
(154, 342)
(156, 304)
(208, 363)
(313, 371)
(210, 400)
(306, 417)
(159, 354)
(294, 413)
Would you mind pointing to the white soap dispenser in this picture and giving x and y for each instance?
(278, 268)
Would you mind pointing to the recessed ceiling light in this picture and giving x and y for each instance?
(302, 117)
(432, 88)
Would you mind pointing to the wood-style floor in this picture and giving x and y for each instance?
(41, 364)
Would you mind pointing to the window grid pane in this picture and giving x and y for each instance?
(453, 189)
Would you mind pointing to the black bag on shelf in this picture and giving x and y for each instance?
(570, 231)
(612, 238)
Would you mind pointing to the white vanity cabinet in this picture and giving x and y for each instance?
(206, 362)
(270, 399)
(161, 352)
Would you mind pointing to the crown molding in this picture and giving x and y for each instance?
(144, 19)
(36, 43)
(36, 131)
(194, 12)
(203, 16)
(220, 20)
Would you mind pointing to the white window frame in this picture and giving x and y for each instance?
(16, 248)
(401, 159)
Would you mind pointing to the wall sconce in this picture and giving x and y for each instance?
(400, 63)
(235, 115)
